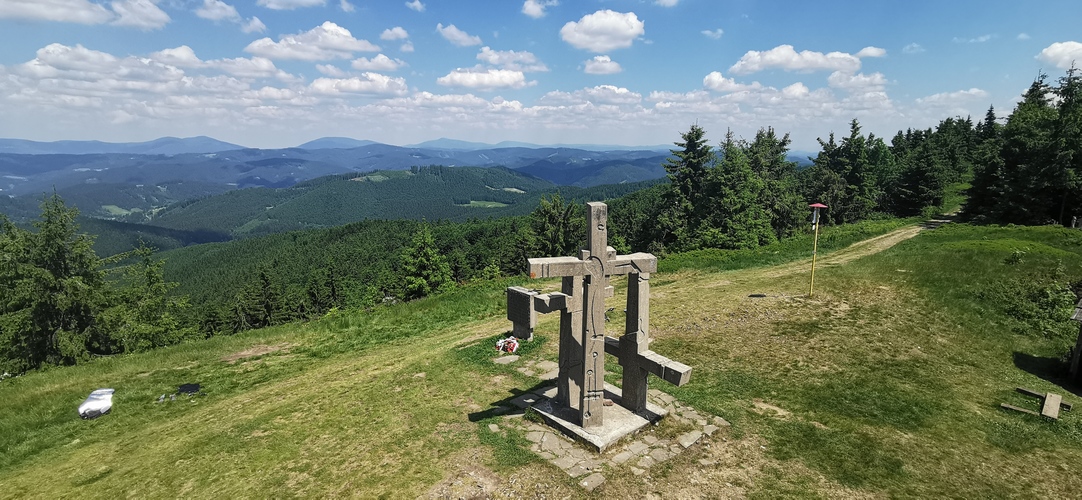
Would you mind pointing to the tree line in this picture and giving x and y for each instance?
(1030, 168)
(746, 193)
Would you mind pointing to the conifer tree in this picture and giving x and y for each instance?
(424, 268)
(51, 287)
(732, 215)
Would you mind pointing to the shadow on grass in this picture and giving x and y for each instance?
(515, 404)
(1051, 369)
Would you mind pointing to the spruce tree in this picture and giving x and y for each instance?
(424, 268)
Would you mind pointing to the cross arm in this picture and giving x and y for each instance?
(673, 372)
(551, 267)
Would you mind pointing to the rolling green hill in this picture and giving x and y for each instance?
(432, 193)
(886, 383)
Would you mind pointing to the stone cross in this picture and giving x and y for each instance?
(583, 343)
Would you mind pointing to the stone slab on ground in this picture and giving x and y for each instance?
(525, 400)
(592, 481)
(689, 439)
(619, 421)
(505, 360)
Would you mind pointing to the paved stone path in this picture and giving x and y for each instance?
(638, 452)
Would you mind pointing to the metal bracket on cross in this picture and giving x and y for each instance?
(583, 343)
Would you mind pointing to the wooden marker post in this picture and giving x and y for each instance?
(815, 246)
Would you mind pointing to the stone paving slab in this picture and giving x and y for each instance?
(689, 439)
(592, 482)
(505, 360)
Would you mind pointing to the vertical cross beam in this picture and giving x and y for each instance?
(636, 340)
(597, 257)
(569, 382)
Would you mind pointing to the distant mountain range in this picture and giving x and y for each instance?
(162, 146)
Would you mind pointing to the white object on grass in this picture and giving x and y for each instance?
(97, 404)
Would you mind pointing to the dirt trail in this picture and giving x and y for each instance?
(848, 254)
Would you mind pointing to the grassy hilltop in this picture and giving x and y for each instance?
(886, 383)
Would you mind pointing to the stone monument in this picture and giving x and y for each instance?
(579, 405)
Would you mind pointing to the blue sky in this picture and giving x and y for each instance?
(277, 73)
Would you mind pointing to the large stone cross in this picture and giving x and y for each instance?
(583, 343)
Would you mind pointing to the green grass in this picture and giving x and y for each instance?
(115, 210)
(888, 383)
(792, 248)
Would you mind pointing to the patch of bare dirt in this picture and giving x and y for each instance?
(469, 482)
(258, 350)
(764, 408)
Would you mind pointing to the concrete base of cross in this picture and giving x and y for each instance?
(619, 421)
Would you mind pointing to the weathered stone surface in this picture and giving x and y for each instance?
(709, 430)
(552, 443)
(565, 462)
(660, 455)
(645, 462)
(544, 366)
(493, 427)
(622, 457)
(505, 360)
(689, 439)
(581, 369)
(592, 481)
(721, 422)
(649, 439)
(637, 471)
(577, 470)
(638, 447)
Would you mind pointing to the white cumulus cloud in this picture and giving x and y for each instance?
(378, 63)
(717, 82)
(603, 31)
(786, 58)
(953, 98)
(490, 79)
(181, 57)
(396, 33)
(603, 95)
(872, 52)
(1061, 54)
(368, 83)
(327, 41)
(715, 34)
(253, 25)
(289, 4)
(217, 10)
(602, 65)
(143, 14)
(666, 3)
(857, 82)
(65, 11)
(457, 36)
(512, 60)
(536, 8)
(416, 5)
(331, 70)
(346, 6)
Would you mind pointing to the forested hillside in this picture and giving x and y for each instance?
(424, 231)
(432, 193)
